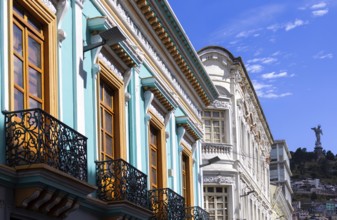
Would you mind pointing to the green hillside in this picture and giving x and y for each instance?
(305, 165)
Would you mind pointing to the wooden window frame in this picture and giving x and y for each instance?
(189, 197)
(161, 156)
(119, 134)
(49, 27)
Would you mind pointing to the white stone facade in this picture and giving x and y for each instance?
(240, 137)
(280, 174)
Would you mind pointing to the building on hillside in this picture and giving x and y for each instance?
(102, 112)
(280, 175)
(236, 131)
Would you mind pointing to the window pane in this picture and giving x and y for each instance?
(35, 24)
(35, 83)
(219, 198)
(108, 122)
(100, 91)
(207, 114)
(34, 104)
(17, 39)
(153, 137)
(34, 52)
(153, 157)
(18, 72)
(108, 144)
(18, 100)
(207, 122)
(154, 176)
(216, 123)
(108, 97)
(216, 114)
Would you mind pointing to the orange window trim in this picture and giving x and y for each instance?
(118, 126)
(35, 11)
(187, 158)
(158, 125)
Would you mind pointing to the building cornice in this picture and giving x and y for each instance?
(181, 50)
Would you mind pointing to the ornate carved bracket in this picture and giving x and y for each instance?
(218, 179)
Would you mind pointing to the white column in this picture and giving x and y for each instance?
(4, 93)
(79, 78)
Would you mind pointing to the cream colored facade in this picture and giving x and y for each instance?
(236, 130)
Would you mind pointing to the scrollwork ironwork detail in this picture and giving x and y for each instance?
(118, 180)
(33, 136)
(196, 213)
(166, 204)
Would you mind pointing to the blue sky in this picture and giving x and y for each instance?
(289, 48)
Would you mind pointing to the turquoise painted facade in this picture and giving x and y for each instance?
(157, 82)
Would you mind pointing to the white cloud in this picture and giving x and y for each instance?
(242, 48)
(272, 95)
(297, 23)
(275, 27)
(318, 13)
(245, 34)
(267, 91)
(259, 86)
(288, 26)
(265, 60)
(274, 75)
(251, 19)
(233, 42)
(258, 52)
(255, 68)
(323, 55)
(319, 5)
(276, 53)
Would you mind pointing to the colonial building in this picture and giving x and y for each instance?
(102, 116)
(236, 131)
(280, 174)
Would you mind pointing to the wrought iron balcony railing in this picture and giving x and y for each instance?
(196, 213)
(118, 180)
(166, 204)
(33, 137)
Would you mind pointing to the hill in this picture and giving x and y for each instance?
(306, 165)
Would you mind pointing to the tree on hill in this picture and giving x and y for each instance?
(305, 164)
(330, 155)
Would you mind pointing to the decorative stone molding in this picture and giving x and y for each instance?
(62, 8)
(112, 67)
(180, 133)
(61, 36)
(49, 5)
(236, 75)
(218, 179)
(209, 148)
(221, 104)
(156, 113)
(148, 97)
